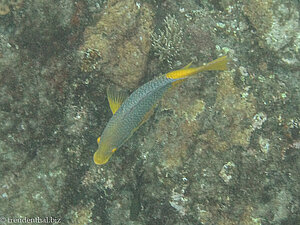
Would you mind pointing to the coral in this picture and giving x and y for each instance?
(121, 40)
(168, 43)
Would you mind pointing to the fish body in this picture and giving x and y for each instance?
(131, 113)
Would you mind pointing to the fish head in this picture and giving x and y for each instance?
(103, 154)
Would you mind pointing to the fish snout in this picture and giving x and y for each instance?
(100, 158)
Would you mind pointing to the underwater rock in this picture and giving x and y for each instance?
(260, 15)
(121, 40)
(5, 6)
(234, 111)
(277, 25)
(227, 172)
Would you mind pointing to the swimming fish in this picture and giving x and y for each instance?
(130, 113)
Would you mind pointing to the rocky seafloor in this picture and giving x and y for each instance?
(222, 148)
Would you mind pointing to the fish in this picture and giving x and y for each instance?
(129, 113)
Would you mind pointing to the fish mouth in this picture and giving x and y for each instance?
(100, 159)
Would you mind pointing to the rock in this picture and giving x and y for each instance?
(121, 39)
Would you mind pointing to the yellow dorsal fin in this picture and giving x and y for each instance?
(98, 140)
(115, 98)
(187, 66)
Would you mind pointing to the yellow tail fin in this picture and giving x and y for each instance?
(217, 64)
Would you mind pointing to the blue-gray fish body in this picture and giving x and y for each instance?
(133, 110)
(131, 113)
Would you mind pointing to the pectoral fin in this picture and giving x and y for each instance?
(177, 82)
(146, 117)
(115, 98)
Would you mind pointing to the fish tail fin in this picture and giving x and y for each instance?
(217, 64)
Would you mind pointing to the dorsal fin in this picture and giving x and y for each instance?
(187, 66)
(115, 98)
